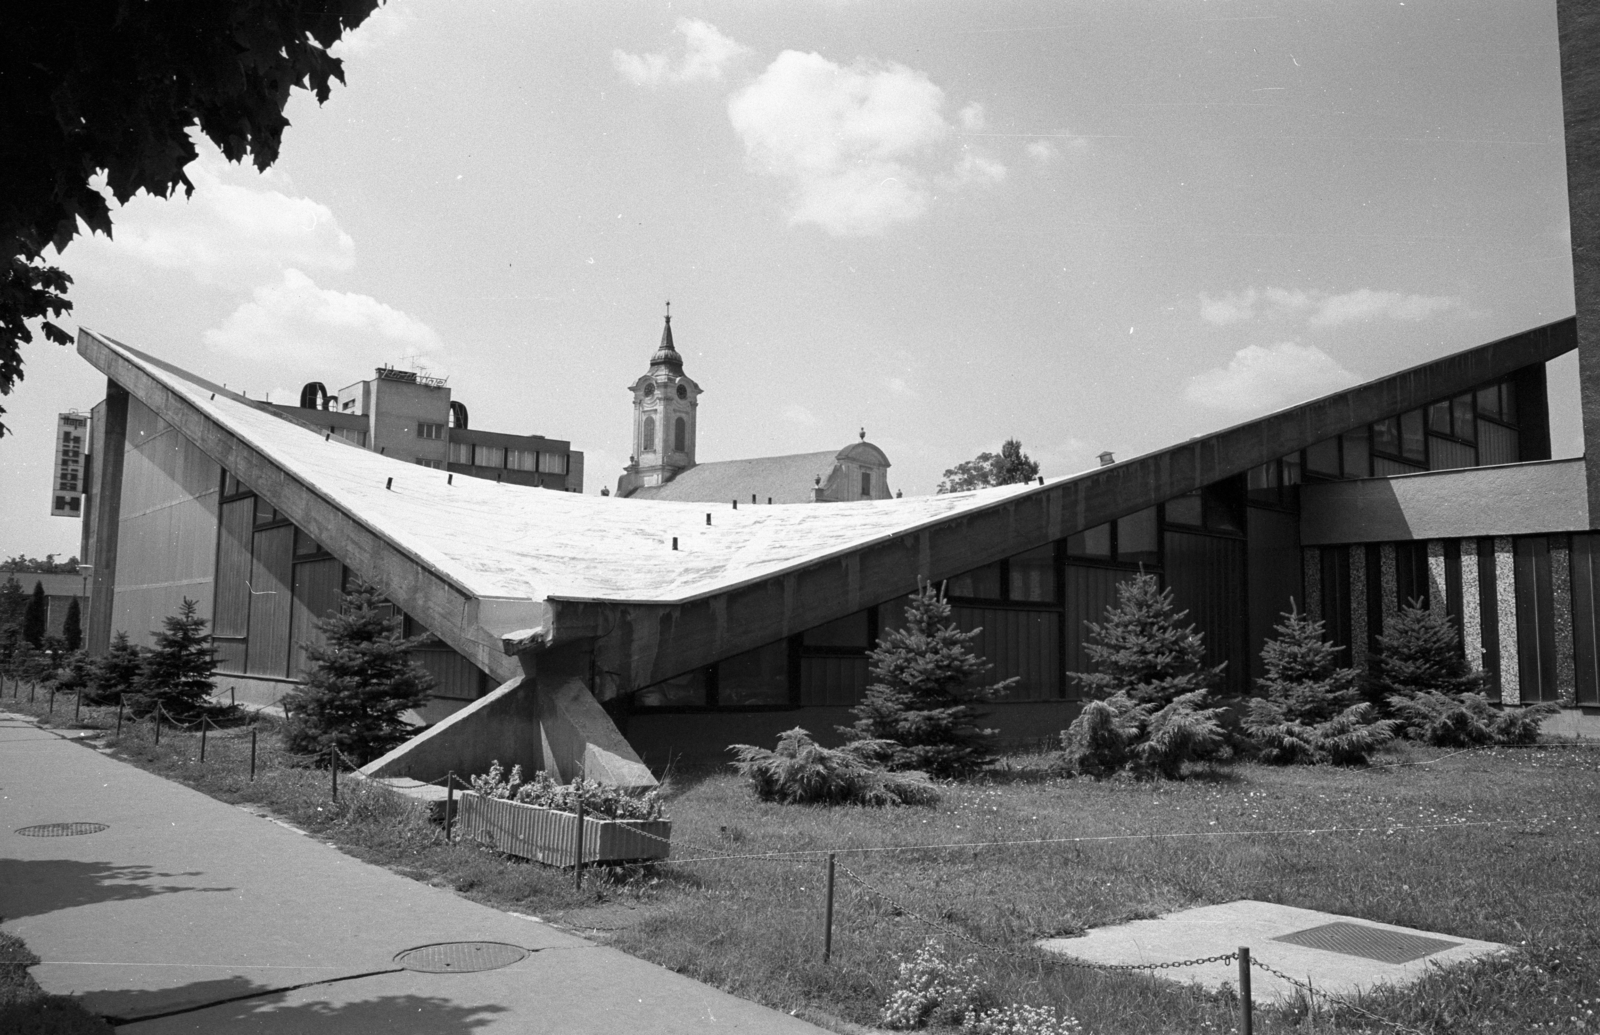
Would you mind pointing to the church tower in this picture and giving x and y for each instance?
(665, 402)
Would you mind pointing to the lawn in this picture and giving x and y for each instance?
(1499, 844)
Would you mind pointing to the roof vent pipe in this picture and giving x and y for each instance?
(1106, 459)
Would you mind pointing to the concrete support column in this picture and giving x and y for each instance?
(1471, 606)
(1505, 594)
(1311, 568)
(1561, 589)
(1358, 606)
(1438, 587)
(1388, 571)
(105, 516)
(1579, 28)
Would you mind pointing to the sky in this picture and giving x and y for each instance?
(1087, 225)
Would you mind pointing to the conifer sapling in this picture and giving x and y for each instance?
(116, 672)
(177, 673)
(362, 680)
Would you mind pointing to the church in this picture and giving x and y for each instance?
(662, 466)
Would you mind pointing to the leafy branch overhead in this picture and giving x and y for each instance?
(109, 93)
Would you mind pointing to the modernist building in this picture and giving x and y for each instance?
(662, 466)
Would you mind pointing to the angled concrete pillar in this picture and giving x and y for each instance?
(105, 515)
(1579, 22)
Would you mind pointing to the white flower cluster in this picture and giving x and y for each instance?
(930, 987)
(1020, 1020)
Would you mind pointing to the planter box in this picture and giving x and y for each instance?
(547, 836)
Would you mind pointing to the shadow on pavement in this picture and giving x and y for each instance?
(243, 1005)
(32, 887)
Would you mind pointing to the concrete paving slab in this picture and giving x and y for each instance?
(184, 900)
(1214, 930)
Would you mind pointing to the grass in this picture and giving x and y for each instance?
(1498, 844)
(24, 1007)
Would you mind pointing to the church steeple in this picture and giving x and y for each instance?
(665, 404)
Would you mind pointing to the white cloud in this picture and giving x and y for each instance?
(226, 233)
(1042, 151)
(706, 56)
(794, 413)
(861, 147)
(294, 321)
(1322, 308)
(387, 23)
(972, 117)
(1261, 379)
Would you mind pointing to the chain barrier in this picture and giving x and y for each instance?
(1312, 993)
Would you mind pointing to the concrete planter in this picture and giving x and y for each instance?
(548, 836)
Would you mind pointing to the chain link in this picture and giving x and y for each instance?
(1312, 993)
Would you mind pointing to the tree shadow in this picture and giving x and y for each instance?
(239, 1004)
(33, 887)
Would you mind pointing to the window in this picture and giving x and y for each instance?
(266, 514)
(553, 463)
(347, 406)
(1032, 575)
(647, 438)
(685, 691)
(1138, 538)
(522, 459)
(1323, 458)
(1218, 507)
(355, 435)
(680, 432)
(488, 456)
(980, 583)
(1489, 402)
(1413, 443)
(1091, 542)
(756, 677)
(430, 431)
(460, 452)
(436, 465)
(1185, 510)
(866, 484)
(1386, 436)
(1462, 417)
(1356, 460)
(304, 545)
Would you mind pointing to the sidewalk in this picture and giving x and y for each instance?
(184, 901)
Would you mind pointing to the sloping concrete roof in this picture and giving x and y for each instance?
(783, 479)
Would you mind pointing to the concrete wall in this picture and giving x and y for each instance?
(397, 407)
(1518, 499)
(166, 528)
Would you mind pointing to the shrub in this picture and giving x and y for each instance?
(116, 672)
(362, 680)
(1153, 716)
(801, 771)
(928, 987)
(544, 791)
(920, 714)
(1434, 694)
(1020, 1020)
(72, 625)
(176, 675)
(1311, 711)
(33, 616)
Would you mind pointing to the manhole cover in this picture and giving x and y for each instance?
(1372, 943)
(61, 829)
(461, 957)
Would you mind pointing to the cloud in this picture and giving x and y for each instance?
(1322, 308)
(706, 56)
(794, 413)
(1042, 151)
(1261, 379)
(293, 321)
(861, 147)
(226, 233)
(387, 23)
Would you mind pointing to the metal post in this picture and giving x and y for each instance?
(1245, 1019)
(577, 853)
(77, 705)
(449, 801)
(52, 709)
(827, 916)
(202, 740)
(158, 725)
(233, 702)
(119, 718)
(333, 769)
(252, 752)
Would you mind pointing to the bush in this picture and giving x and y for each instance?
(544, 791)
(801, 771)
(115, 673)
(1437, 698)
(920, 714)
(929, 987)
(362, 680)
(177, 674)
(1311, 711)
(1153, 717)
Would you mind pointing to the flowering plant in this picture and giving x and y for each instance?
(545, 792)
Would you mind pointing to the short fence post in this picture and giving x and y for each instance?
(202, 740)
(158, 725)
(577, 853)
(1246, 1021)
(119, 717)
(827, 916)
(333, 768)
(77, 705)
(252, 752)
(449, 801)
(31, 688)
(52, 709)
(232, 700)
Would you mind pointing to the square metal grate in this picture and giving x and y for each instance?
(1371, 943)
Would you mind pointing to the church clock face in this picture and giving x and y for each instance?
(649, 389)
(683, 392)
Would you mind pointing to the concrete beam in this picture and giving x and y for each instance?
(421, 590)
(1579, 22)
(111, 441)
(639, 644)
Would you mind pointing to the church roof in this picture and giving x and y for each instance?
(786, 479)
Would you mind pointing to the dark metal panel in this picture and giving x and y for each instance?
(1536, 638)
(1453, 593)
(1277, 575)
(832, 681)
(1207, 576)
(1089, 591)
(1411, 580)
(316, 595)
(1024, 644)
(1585, 573)
(1336, 597)
(270, 597)
(231, 616)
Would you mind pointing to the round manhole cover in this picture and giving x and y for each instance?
(61, 829)
(461, 957)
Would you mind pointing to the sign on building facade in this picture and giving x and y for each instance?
(72, 435)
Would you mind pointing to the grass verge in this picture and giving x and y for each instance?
(1493, 844)
(24, 1007)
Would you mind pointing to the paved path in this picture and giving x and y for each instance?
(184, 901)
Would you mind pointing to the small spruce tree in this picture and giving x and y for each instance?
(33, 617)
(1311, 709)
(117, 672)
(72, 626)
(1151, 715)
(922, 705)
(362, 679)
(177, 673)
(13, 602)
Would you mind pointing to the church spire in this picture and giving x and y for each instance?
(667, 354)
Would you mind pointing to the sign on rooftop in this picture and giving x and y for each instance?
(72, 435)
(411, 377)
